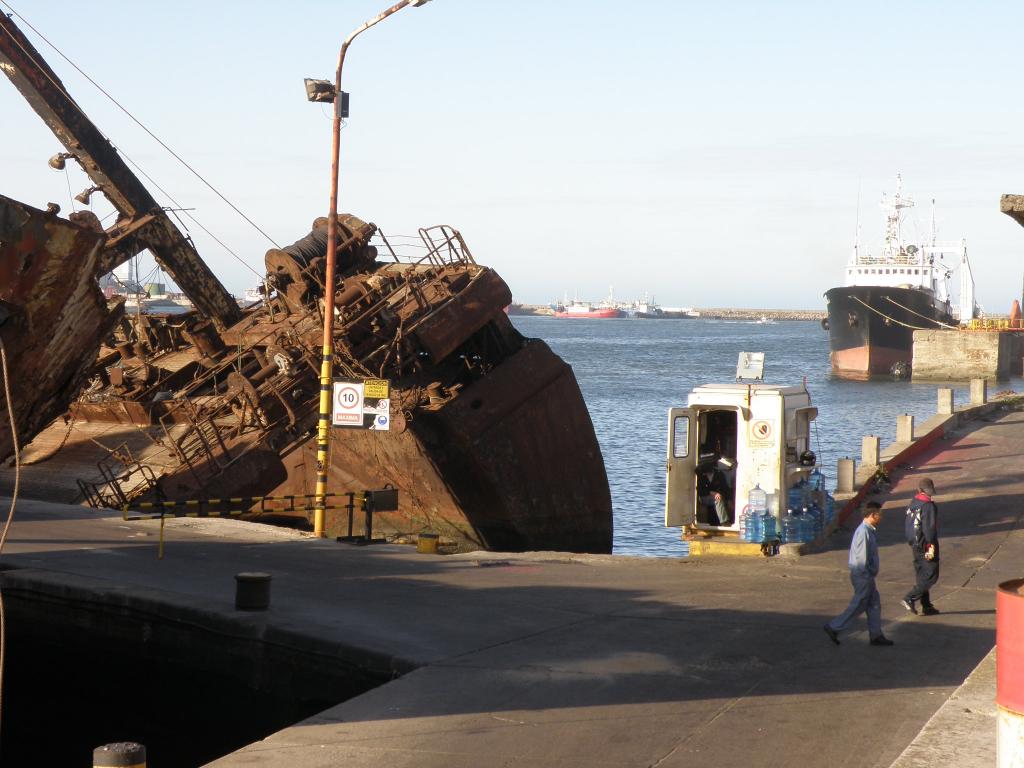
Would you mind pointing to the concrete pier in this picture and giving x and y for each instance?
(551, 659)
(951, 354)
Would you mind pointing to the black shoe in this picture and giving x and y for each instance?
(831, 634)
(910, 605)
(930, 610)
(881, 640)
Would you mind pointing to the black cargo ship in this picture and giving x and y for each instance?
(872, 317)
(871, 327)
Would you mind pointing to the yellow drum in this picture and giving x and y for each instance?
(426, 543)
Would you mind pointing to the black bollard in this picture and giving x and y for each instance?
(252, 591)
(123, 754)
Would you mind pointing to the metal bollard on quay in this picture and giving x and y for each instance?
(122, 754)
(252, 591)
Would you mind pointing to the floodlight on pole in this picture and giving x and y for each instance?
(57, 162)
(315, 89)
(85, 194)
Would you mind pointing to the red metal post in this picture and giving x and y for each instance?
(1010, 673)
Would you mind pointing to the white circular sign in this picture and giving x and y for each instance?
(761, 429)
(348, 398)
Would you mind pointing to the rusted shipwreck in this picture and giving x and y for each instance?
(490, 444)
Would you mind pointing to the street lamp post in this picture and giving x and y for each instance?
(327, 364)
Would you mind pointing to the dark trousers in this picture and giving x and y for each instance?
(927, 574)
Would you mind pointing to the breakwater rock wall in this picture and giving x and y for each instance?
(714, 313)
(757, 314)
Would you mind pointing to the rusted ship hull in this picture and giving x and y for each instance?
(54, 316)
(512, 465)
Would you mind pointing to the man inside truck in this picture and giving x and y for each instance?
(716, 467)
(712, 494)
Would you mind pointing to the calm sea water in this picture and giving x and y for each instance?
(632, 371)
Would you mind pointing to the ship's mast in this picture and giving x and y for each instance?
(934, 232)
(893, 218)
(856, 232)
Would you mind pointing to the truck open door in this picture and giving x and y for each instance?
(680, 468)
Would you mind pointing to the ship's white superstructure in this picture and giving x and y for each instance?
(913, 265)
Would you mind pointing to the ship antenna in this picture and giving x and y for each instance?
(933, 221)
(896, 210)
(856, 232)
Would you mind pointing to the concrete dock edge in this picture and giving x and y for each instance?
(963, 731)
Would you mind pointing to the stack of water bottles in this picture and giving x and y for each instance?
(809, 509)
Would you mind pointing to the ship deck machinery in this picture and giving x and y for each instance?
(491, 443)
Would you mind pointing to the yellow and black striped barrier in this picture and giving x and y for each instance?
(201, 507)
(381, 500)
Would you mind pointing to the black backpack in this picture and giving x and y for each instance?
(912, 525)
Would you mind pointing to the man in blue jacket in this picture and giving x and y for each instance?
(922, 531)
(864, 565)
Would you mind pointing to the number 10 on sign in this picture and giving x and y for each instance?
(348, 404)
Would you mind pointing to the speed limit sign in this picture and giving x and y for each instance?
(348, 404)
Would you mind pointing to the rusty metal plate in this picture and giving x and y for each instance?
(58, 315)
(447, 329)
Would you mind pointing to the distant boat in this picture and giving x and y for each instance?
(680, 313)
(585, 309)
(643, 308)
(647, 309)
(764, 320)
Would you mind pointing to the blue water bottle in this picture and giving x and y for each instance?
(790, 527)
(817, 480)
(757, 502)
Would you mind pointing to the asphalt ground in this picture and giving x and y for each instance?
(547, 659)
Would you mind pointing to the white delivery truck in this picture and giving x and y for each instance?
(729, 439)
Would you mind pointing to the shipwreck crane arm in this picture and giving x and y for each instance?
(45, 93)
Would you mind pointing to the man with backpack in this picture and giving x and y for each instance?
(922, 532)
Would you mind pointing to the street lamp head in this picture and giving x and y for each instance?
(320, 90)
(418, 3)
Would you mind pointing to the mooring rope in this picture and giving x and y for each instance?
(890, 319)
(924, 317)
(10, 512)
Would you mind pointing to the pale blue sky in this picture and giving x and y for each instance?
(708, 154)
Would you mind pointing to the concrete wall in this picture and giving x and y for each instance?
(948, 354)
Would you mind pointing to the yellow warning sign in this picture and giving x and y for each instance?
(375, 388)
